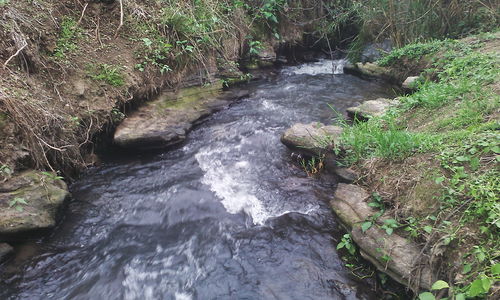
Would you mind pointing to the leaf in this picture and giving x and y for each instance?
(428, 229)
(389, 231)
(486, 282)
(366, 225)
(495, 269)
(19, 208)
(462, 158)
(439, 285)
(340, 245)
(439, 180)
(476, 288)
(467, 268)
(496, 149)
(460, 296)
(426, 296)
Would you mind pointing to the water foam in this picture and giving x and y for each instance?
(323, 66)
(228, 183)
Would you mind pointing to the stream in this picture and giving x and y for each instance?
(227, 215)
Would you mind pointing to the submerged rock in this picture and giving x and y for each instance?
(30, 201)
(5, 250)
(311, 139)
(391, 254)
(167, 120)
(370, 108)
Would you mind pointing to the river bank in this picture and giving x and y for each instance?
(424, 207)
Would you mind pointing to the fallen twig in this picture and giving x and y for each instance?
(14, 55)
(121, 19)
(83, 13)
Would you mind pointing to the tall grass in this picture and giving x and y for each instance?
(409, 21)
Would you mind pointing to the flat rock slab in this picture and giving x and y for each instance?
(391, 254)
(30, 201)
(370, 70)
(311, 139)
(167, 120)
(370, 109)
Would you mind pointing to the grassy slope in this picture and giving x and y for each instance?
(435, 159)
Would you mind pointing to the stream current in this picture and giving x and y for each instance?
(226, 215)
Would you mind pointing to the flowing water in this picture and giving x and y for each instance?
(227, 215)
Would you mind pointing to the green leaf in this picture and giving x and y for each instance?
(366, 225)
(467, 268)
(439, 285)
(340, 245)
(460, 296)
(428, 229)
(426, 296)
(486, 282)
(19, 208)
(495, 269)
(476, 288)
(462, 158)
(496, 149)
(389, 231)
(439, 180)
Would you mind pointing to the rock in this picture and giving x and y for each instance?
(370, 108)
(371, 70)
(350, 203)
(167, 120)
(30, 201)
(391, 254)
(346, 175)
(394, 255)
(5, 250)
(409, 83)
(311, 139)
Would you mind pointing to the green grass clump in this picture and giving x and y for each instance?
(66, 42)
(109, 74)
(412, 52)
(381, 138)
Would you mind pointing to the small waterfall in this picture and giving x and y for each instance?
(338, 66)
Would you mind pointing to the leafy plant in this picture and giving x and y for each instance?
(68, 34)
(17, 203)
(347, 243)
(109, 74)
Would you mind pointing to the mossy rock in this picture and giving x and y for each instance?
(30, 201)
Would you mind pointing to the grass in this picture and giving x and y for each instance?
(68, 34)
(109, 74)
(453, 119)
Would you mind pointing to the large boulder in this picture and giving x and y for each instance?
(30, 201)
(410, 83)
(370, 108)
(312, 139)
(167, 120)
(391, 254)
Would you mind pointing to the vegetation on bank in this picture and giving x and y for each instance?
(445, 136)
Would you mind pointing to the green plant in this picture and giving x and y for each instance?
(109, 74)
(313, 165)
(347, 243)
(17, 203)
(68, 34)
(3, 2)
(52, 176)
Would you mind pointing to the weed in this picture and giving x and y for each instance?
(109, 74)
(68, 34)
(347, 243)
(313, 165)
(17, 203)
